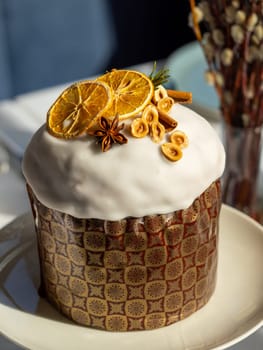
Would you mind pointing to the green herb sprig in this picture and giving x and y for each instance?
(159, 77)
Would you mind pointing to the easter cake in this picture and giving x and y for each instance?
(124, 183)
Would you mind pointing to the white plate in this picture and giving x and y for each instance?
(187, 66)
(234, 312)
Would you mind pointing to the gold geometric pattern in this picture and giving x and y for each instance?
(155, 290)
(135, 275)
(131, 274)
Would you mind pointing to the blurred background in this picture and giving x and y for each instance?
(45, 43)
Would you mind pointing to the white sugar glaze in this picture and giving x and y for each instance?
(75, 177)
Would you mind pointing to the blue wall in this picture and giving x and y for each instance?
(47, 42)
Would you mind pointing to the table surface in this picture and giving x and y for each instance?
(30, 110)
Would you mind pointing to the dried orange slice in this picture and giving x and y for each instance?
(132, 91)
(77, 107)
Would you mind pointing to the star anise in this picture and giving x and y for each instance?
(109, 133)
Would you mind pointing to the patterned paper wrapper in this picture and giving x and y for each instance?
(132, 274)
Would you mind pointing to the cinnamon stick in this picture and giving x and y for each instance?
(168, 122)
(180, 96)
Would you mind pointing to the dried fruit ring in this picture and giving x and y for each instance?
(159, 93)
(157, 131)
(179, 138)
(172, 151)
(150, 114)
(139, 128)
(165, 104)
